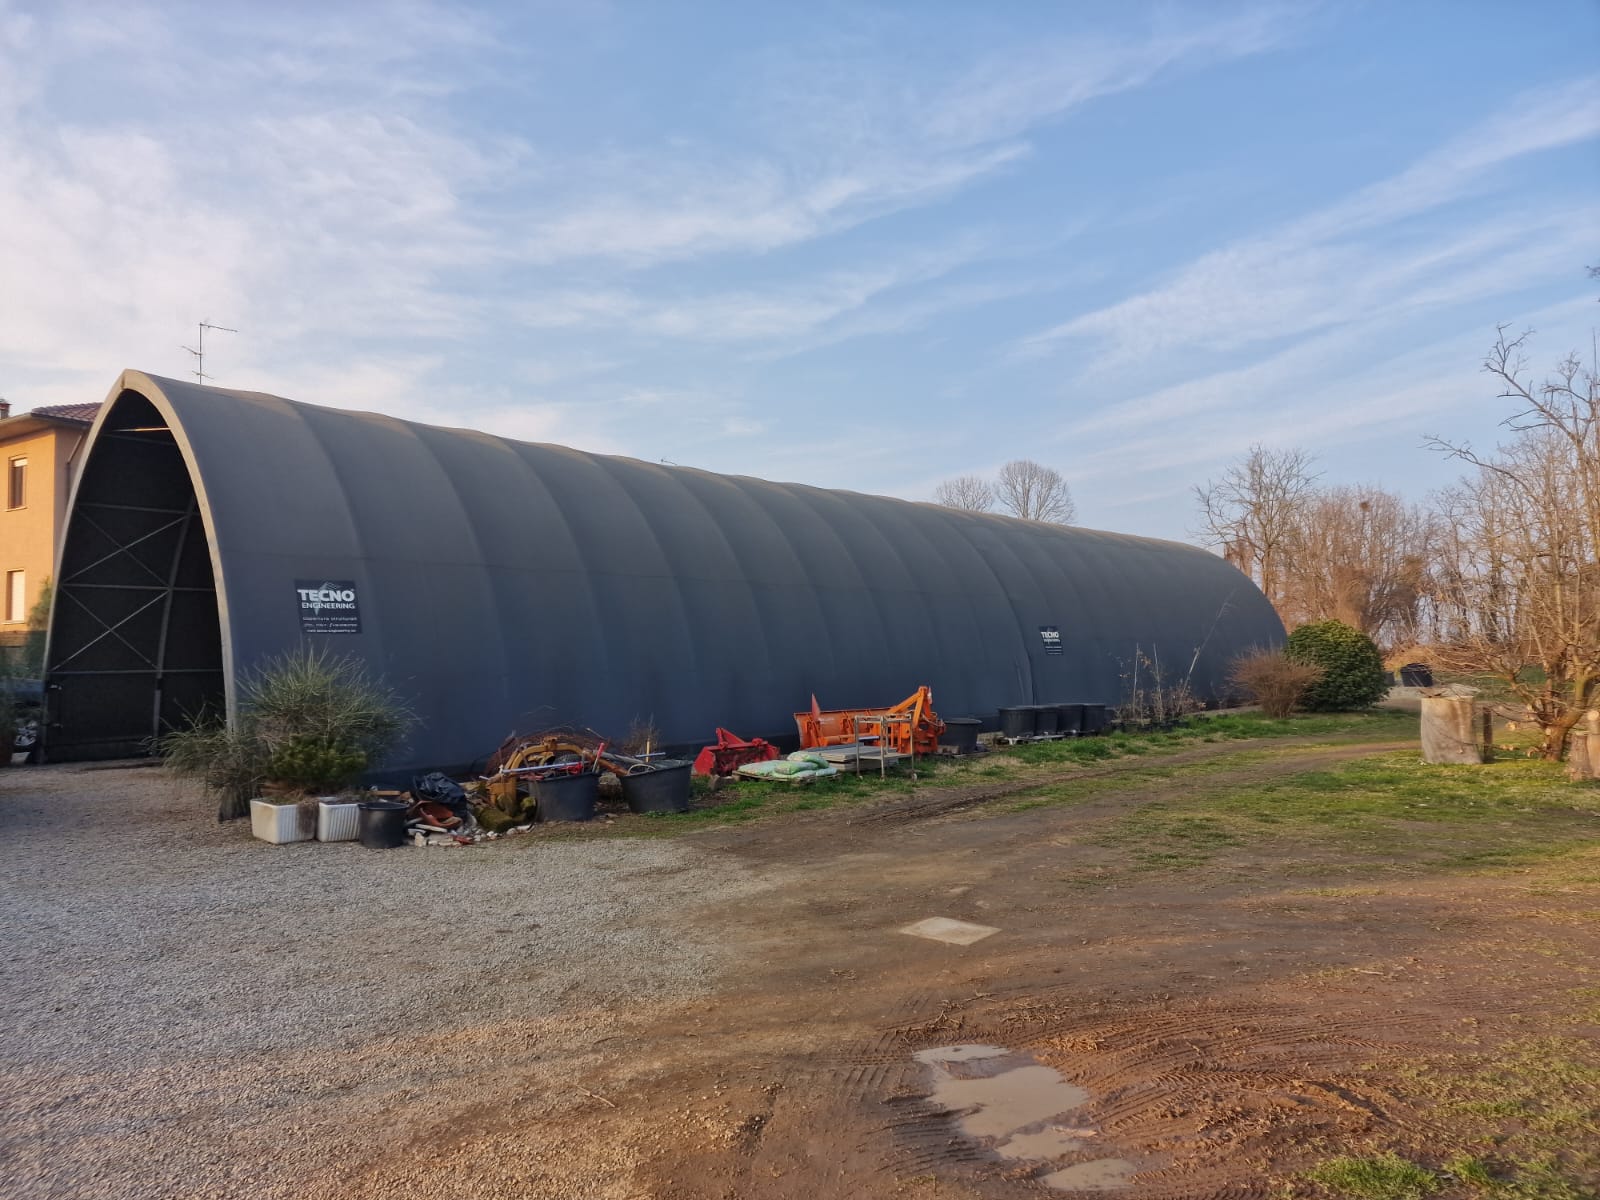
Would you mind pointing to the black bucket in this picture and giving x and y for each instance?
(1069, 718)
(1016, 722)
(1094, 718)
(662, 789)
(566, 797)
(961, 734)
(381, 824)
(1044, 718)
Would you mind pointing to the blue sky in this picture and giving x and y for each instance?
(859, 246)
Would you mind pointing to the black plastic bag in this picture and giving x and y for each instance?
(441, 789)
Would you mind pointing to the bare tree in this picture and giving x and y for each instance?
(969, 492)
(1254, 511)
(1518, 591)
(1360, 555)
(1035, 493)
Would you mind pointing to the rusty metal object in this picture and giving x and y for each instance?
(530, 756)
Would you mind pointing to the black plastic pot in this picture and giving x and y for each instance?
(381, 824)
(1017, 722)
(1044, 718)
(961, 734)
(662, 789)
(1094, 718)
(1069, 718)
(566, 797)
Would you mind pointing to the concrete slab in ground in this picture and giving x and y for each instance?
(944, 929)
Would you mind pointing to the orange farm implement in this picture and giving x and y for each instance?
(732, 752)
(909, 727)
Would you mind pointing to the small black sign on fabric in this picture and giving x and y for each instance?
(1051, 635)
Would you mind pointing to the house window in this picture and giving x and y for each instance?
(17, 483)
(16, 595)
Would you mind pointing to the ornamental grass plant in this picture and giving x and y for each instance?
(307, 720)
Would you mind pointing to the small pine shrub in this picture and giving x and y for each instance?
(1352, 669)
(316, 764)
(1273, 680)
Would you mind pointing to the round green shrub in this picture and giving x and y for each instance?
(1352, 669)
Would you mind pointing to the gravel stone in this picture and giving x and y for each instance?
(187, 1011)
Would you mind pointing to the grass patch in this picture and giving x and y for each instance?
(1387, 809)
(1125, 757)
(1380, 724)
(1381, 1177)
(1533, 1103)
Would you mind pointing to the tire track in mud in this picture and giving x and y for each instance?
(880, 1061)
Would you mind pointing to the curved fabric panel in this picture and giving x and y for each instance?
(506, 585)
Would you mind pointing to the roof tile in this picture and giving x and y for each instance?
(68, 412)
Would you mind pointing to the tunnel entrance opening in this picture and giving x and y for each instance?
(135, 637)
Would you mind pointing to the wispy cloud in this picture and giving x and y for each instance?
(314, 192)
(1009, 93)
(1318, 271)
(776, 313)
(856, 146)
(644, 208)
(1343, 300)
(1327, 391)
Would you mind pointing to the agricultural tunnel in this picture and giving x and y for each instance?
(502, 585)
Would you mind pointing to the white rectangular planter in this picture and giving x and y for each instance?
(338, 820)
(280, 823)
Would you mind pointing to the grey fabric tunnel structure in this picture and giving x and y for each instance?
(502, 586)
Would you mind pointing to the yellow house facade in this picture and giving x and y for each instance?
(38, 454)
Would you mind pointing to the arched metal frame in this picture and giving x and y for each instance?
(135, 645)
(504, 585)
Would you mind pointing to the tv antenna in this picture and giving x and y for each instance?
(200, 354)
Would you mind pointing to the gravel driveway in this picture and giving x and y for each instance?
(185, 1011)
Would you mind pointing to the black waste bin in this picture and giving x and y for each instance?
(1016, 722)
(961, 734)
(1416, 675)
(1094, 718)
(566, 797)
(664, 788)
(1044, 718)
(1069, 718)
(381, 824)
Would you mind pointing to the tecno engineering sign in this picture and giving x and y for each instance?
(328, 606)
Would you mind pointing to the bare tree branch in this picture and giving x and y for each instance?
(970, 493)
(1035, 493)
(1516, 589)
(1251, 513)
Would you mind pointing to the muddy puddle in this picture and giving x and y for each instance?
(1024, 1110)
